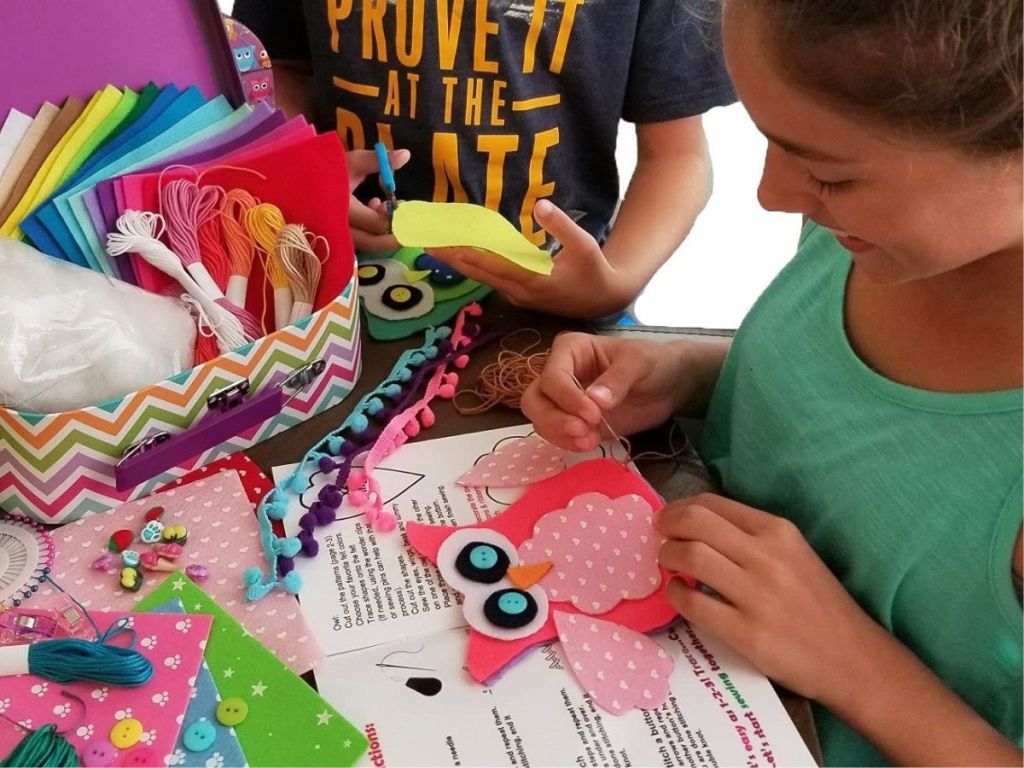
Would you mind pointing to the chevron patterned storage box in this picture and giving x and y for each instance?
(58, 467)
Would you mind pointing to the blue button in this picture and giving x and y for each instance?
(199, 736)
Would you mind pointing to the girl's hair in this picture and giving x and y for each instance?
(948, 70)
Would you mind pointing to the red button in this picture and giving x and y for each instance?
(143, 756)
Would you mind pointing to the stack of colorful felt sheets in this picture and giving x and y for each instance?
(68, 172)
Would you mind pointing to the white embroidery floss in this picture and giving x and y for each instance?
(139, 232)
(265, 222)
(295, 248)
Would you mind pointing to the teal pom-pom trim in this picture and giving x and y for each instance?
(417, 358)
(277, 509)
(374, 406)
(430, 352)
(252, 576)
(288, 547)
(359, 423)
(292, 582)
(404, 375)
(334, 445)
(392, 391)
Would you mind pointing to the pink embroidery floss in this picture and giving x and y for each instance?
(403, 426)
(187, 206)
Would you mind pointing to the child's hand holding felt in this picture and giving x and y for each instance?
(583, 283)
(777, 603)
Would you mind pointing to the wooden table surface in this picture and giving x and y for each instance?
(379, 357)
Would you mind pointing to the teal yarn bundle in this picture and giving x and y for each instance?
(73, 659)
(44, 748)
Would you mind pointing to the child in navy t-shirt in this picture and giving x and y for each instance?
(508, 104)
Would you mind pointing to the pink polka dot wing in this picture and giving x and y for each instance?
(574, 559)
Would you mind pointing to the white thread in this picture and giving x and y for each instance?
(282, 307)
(202, 276)
(238, 286)
(138, 232)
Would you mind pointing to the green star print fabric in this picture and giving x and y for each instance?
(287, 723)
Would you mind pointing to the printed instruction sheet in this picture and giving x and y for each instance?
(418, 706)
(366, 588)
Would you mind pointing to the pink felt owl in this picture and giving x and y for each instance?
(575, 558)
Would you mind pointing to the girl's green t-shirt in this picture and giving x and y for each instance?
(911, 497)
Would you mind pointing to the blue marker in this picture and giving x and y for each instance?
(387, 176)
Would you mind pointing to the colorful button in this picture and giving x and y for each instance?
(176, 534)
(152, 531)
(143, 756)
(131, 579)
(99, 754)
(232, 712)
(154, 513)
(199, 736)
(169, 551)
(120, 540)
(126, 733)
(130, 558)
(103, 563)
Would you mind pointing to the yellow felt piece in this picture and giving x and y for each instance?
(58, 164)
(418, 224)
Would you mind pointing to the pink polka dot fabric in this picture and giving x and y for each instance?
(519, 462)
(223, 536)
(602, 550)
(620, 669)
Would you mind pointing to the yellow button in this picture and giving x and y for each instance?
(126, 733)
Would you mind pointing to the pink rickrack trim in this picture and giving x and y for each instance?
(363, 489)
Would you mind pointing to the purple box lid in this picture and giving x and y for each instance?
(52, 49)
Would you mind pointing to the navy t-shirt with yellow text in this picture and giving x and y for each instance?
(501, 103)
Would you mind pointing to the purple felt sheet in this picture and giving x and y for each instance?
(55, 48)
(261, 122)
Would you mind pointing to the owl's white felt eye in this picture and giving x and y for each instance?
(474, 558)
(388, 293)
(476, 561)
(505, 611)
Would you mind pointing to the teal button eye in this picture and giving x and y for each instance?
(511, 608)
(482, 562)
(483, 556)
(512, 603)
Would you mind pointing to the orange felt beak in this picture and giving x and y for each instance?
(525, 576)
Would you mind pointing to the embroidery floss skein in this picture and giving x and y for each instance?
(265, 222)
(301, 265)
(240, 246)
(42, 748)
(73, 659)
(139, 232)
(504, 381)
(187, 207)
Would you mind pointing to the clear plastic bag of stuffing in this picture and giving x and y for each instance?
(71, 337)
